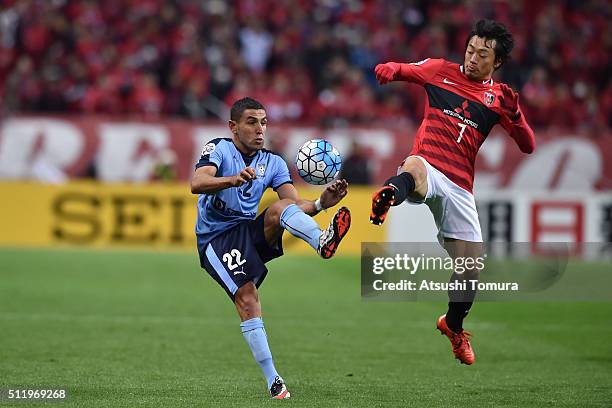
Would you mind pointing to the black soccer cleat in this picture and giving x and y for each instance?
(382, 200)
(278, 389)
(331, 237)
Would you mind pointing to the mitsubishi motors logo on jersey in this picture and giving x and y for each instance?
(463, 110)
(462, 113)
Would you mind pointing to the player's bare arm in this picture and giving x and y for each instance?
(204, 180)
(332, 195)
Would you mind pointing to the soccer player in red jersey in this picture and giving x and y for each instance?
(463, 104)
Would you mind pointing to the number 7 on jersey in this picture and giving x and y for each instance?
(462, 126)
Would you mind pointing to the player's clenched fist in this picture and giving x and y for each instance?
(509, 102)
(386, 72)
(247, 174)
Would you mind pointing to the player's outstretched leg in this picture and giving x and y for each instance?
(394, 192)
(293, 219)
(247, 304)
(301, 225)
(412, 179)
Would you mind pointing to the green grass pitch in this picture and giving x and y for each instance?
(135, 329)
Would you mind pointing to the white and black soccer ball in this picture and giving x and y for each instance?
(318, 162)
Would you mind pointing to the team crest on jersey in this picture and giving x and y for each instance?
(489, 98)
(261, 170)
(208, 149)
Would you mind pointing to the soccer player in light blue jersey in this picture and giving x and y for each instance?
(234, 243)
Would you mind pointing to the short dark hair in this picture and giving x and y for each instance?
(243, 104)
(493, 30)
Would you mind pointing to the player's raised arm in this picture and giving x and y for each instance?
(204, 180)
(332, 195)
(513, 120)
(417, 72)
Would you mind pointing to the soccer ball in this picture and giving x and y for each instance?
(318, 162)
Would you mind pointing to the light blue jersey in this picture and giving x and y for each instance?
(221, 211)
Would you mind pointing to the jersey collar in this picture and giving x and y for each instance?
(247, 159)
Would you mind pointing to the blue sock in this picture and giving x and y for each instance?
(300, 225)
(255, 335)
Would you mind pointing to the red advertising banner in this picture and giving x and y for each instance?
(119, 150)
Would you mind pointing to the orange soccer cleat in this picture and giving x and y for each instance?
(460, 342)
(331, 237)
(382, 200)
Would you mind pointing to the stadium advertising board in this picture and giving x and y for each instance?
(142, 215)
(163, 215)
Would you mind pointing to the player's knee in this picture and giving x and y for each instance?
(275, 210)
(246, 298)
(417, 170)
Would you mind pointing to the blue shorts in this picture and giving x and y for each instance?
(238, 255)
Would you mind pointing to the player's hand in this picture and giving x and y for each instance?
(386, 72)
(509, 102)
(247, 174)
(334, 193)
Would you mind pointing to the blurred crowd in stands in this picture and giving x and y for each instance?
(306, 60)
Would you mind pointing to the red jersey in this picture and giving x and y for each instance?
(459, 115)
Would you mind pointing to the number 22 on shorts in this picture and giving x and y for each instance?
(233, 259)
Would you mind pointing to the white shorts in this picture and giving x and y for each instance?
(453, 208)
